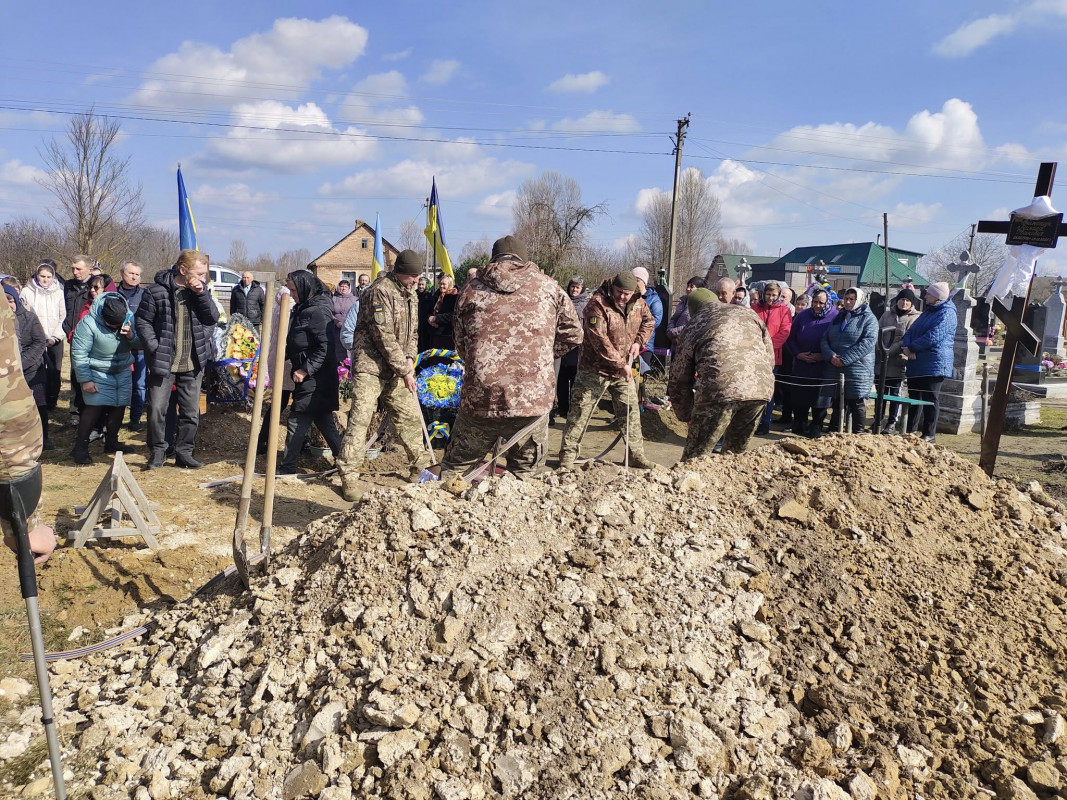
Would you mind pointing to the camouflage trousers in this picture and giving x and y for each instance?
(399, 403)
(473, 438)
(734, 423)
(588, 388)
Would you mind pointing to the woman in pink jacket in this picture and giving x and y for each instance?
(775, 315)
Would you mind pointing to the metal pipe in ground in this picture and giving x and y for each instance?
(841, 401)
(985, 398)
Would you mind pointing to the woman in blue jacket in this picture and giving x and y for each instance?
(928, 347)
(101, 356)
(848, 348)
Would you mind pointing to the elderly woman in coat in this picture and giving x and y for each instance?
(897, 318)
(928, 348)
(101, 358)
(812, 391)
(848, 348)
(310, 348)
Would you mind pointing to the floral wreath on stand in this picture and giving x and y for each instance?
(439, 386)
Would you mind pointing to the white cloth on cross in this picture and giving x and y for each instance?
(1013, 277)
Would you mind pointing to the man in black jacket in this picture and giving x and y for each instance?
(75, 290)
(247, 298)
(175, 321)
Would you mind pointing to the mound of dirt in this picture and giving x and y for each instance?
(828, 621)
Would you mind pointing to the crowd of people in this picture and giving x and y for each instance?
(532, 353)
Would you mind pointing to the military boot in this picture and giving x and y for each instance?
(566, 460)
(352, 488)
(641, 461)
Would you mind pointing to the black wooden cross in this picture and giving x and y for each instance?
(1043, 233)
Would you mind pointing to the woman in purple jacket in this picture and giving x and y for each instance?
(813, 391)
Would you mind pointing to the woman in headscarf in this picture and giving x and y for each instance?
(44, 296)
(102, 361)
(848, 346)
(928, 348)
(812, 391)
(898, 317)
(775, 315)
(310, 348)
(441, 319)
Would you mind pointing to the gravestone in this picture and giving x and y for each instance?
(1028, 365)
(961, 402)
(1054, 314)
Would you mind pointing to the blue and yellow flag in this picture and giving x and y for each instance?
(378, 264)
(436, 234)
(186, 225)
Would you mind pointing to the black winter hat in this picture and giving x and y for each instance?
(113, 311)
(509, 245)
(906, 294)
(408, 263)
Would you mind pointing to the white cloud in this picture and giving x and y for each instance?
(370, 102)
(235, 197)
(969, 37)
(623, 244)
(586, 82)
(16, 173)
(599, 122)
(441, 71)
(389, 85)
(291, 54)
(949, 138)
(308, 141)
(461, 169)
(910, 215)
(497, 205)
(975, 34)
(398, 56)
(1015, 153)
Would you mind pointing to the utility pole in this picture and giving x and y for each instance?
(679, 140)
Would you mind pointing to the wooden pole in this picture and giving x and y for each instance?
(998, 405)
(272, 432)
(671, 246)
(240, 550)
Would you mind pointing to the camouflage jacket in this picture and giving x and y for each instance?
(611, 331)
(387, 330)
(727, 355)
(510, 323)
(21, 438)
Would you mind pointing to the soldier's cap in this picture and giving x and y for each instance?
(625, 280)
(698, 298)
(408, 263)
(509, 246)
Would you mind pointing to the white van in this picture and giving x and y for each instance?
(224, 279)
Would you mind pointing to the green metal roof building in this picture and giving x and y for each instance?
(857, 263)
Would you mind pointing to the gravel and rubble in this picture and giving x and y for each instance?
(842, 618)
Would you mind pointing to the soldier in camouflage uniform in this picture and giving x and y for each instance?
(383, 366)
(21, 435)
(510, 323)
(617, 323)
(727, 356)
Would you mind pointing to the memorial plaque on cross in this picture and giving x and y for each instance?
(1042, 232)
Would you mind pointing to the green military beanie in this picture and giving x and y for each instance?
(509, 245)
(408, 263)
(626, 280)
(698, 298)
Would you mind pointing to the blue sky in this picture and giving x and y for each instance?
(293, 119)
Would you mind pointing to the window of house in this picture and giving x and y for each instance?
(348, 275)
(363, 243)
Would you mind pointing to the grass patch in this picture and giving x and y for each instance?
(20, 769)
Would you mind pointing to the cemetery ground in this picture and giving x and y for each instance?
(90, 594)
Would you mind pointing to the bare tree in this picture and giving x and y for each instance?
(238, 255)
(98, 205)
(150, 245)
(25, 242)
(482, 247)
(699, 227)
(988, 253)
(411, 236)
(551, 218)
(733, 246)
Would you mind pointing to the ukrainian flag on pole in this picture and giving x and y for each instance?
(436, 234)
(186, 225)
(378, 264)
